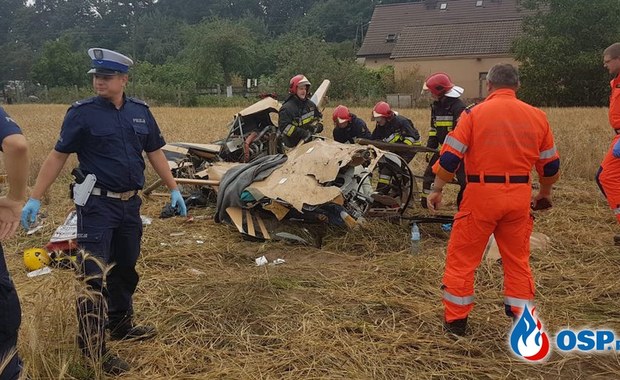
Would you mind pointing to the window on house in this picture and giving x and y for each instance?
(482, 85)
(390, 37)
(443, 6)
(479, 3)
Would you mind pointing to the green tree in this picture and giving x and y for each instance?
(60, 66)
(561, 51)
(219, 49)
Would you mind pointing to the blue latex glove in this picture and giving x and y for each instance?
(616, 150)
(176, 200)
(29, 212)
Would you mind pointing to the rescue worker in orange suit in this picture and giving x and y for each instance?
(348, 127)
(445, 111)
(608, 176)
(501, 139)
(299, 117)
(394, 129)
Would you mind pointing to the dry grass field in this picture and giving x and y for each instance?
(362, 307)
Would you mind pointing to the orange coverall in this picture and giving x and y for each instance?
(501, 139)
(608, 176)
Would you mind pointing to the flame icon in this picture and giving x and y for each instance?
(527, 339)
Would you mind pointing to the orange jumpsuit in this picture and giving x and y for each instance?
(501, 139)
(608, 176)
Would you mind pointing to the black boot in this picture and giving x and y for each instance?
(133, 333)
(113, 365)
(456, 327)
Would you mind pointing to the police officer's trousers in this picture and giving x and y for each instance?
(110, 231)
(10, 319)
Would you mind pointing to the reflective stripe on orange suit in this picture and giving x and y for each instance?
(609, 175)
(501, 136)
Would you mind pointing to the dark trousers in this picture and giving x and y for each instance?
(429, 178)
(10, 319)
(109, 231)
(388, 173)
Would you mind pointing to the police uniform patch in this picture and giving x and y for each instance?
(138, 101)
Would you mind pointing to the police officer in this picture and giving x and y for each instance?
(348, 127)
(299, 118)
(394, 129)
(445, 111)
(108, 133)
(501, 139)
(15, 149)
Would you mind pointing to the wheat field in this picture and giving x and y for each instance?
(361, 307)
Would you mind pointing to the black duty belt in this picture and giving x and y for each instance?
(499, 178)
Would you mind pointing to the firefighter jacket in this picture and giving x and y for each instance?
(501, 136)
(298, 120)
(356, 129)
(398, 129)
(445, 113)
(614, 104)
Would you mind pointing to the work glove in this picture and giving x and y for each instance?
(176, 200)
(616, 149)
(30, 212)
(318, 128)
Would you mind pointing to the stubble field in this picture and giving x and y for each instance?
(361, 307)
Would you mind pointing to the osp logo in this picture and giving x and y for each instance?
(527, 339)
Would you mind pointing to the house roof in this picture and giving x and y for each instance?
(390, 19)
(479, 38)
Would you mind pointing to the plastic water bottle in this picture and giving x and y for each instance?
(415, 239)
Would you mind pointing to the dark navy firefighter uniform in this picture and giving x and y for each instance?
(10, 311)
(445, 113)
(109, 143)
(356, 129)
(298, 120)
(397, 130)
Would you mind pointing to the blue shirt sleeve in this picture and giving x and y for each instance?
(155, 140)
(8, 126)
(71, 133)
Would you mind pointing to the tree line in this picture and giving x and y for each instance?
(182, 46)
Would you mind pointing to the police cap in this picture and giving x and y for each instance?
(108, 62)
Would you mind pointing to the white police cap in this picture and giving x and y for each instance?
(108, 62)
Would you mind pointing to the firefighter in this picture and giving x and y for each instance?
(501, 139)
(445, 111)
(299, 117)
(608, 176)
(348, 127)
(395, 129)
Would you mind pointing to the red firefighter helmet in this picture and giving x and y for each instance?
(296, 81)
(341, 114)
(439, 84)
(382, 109)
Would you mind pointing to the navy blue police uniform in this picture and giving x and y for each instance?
(10, 311)
(356, 129)
(109, 143)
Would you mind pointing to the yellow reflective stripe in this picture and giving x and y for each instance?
(394, 138)
(444, 123)
(289, 130)
(408, 142)
(384, 179)
(432, 133)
